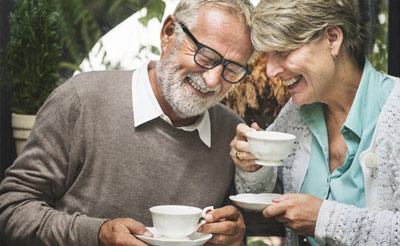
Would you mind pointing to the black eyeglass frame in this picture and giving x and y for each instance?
(221, 60)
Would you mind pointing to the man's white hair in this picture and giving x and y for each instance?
(186, 11)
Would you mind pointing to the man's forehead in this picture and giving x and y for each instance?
(215, 21)
(211, 14)
(223, 32)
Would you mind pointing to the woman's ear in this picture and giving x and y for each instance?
(167, 35)
(335, 38)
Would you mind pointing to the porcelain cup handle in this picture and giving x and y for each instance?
(203, 214)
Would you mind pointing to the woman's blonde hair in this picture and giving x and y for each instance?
(285, 25)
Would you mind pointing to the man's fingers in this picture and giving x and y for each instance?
(227, 226)
(224, 213)
(222, 221)
(121, 231)
(220, 228)
(137, 228)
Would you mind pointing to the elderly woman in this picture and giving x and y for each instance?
(341, 183)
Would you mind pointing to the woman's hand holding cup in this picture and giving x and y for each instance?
(240, 152)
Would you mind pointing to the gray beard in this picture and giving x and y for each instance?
(183, 102)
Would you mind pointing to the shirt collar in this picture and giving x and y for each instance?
(365, 106)
(146, 108)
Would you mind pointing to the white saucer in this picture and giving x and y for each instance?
(194, 239)
(255, 202)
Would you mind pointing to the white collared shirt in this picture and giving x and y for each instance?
(146, 107)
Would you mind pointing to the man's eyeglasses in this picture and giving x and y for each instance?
(208, 58)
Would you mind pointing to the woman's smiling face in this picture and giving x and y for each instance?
(308, 72)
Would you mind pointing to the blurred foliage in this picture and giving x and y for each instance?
(379, 54)
(257, 243)
(50, 38)
(84, 22)
(265, 241)
(374, 14)
(79, 31)
(32, 54)
(110, 13)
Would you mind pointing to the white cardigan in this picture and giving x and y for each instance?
(338, 223)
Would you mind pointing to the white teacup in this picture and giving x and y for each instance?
(270, 148)
(176, 221)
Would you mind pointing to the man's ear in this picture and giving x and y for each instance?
(167, 35)
(335, 38)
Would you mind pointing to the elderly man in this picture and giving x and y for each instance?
(107, 146)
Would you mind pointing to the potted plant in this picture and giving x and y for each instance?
(32, 60)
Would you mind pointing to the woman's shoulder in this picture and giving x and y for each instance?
(223, 115)
(389, 119)
(289, 115)
(290, 108)
(395, 79)
(392, 104)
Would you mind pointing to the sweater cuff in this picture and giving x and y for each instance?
(323, 221)
(89, 229)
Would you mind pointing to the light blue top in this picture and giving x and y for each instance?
(346, 183)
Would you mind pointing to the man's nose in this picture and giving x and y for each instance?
(274, 67)
(213, 76)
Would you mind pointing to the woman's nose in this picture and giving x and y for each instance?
(274, 67)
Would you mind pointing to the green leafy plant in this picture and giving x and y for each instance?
(50, 38)
(78, 30)
(379, 54)
(33, 54)
(374, 14)
(155, 9)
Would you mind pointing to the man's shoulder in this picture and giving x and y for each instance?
(97, 81)
(93, 87)
(223, 109)
(221, 113)
(96, 77)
